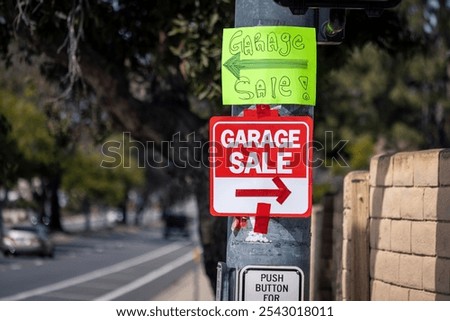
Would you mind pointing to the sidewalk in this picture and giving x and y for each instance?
(193, 286)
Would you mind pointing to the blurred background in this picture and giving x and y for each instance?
(104, 108)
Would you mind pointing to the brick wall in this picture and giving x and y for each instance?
(408, 225)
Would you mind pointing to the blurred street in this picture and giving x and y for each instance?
(126, 263)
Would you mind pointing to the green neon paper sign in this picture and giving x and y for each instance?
(269, 65)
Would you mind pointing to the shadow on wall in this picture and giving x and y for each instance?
(409, 226)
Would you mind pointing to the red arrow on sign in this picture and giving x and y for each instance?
(281, 193)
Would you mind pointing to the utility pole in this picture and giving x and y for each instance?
(268, 252)
(284, 252)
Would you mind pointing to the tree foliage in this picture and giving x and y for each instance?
(86, 180)
(30, 133)
(52, 144)
(390, 86)
(9, 156)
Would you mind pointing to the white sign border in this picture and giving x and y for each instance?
(242, 272)
(276, 122)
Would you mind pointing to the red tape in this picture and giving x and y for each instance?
(262, 218)
(238, 223)
(261, 111)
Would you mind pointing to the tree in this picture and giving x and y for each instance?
(33, 152)
(390, 82)
(87, 182)
(9, 156)
(139, 58)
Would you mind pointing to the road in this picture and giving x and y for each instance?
(105, 265)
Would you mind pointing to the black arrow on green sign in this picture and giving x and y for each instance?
(235, 64)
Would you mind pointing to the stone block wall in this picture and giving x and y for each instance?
(408, 226)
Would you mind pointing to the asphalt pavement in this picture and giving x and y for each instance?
(124, 263)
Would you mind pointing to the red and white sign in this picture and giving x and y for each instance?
(261, 161)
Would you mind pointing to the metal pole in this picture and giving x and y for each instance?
(287, 242)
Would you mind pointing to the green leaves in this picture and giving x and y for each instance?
(85, 178)
(196, 40)
(28, 130)
(390, 92)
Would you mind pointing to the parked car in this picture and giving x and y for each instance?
(28, 240)
(175, 223)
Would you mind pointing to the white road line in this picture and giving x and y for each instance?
(146, 278)
(95, 274)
